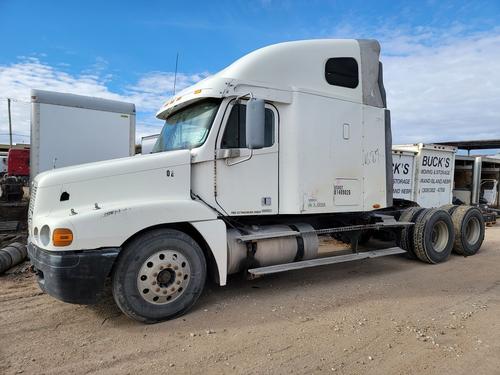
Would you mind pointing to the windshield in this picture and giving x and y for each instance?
(187, 128)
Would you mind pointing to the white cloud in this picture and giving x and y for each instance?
(441, 85)
(16, 81)
(445, 90)
(152, 89)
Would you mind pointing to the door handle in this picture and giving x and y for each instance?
(346, 131)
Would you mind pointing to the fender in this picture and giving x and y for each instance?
(214, 233)
(113, 225)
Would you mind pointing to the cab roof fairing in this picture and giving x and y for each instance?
(292, 66)
(210, 87)
(224, 87)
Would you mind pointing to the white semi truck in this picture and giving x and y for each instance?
(289, 143)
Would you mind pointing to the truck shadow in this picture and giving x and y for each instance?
(259, 290)
(344, 284)
(334, 275)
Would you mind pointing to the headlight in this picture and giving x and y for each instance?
(45, 235)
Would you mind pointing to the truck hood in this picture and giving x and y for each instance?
(114, 167)
(112, 184)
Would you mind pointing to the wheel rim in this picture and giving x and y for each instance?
(163, 277)
(440, 236)
(472, 231)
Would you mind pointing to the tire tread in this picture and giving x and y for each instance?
(458, 217)
(419, 237)
(119, 293)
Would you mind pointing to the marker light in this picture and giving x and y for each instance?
(62, 237)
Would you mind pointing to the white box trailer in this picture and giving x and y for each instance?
(148, 142)
(423, 173)
(68, 129)
(254, 163)
(403, 177)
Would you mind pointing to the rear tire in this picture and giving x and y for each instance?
(159, 276)
(469, 230)
(450, 208)
(406, 239)
(433, 236)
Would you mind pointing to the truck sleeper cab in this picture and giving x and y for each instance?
(254, 163)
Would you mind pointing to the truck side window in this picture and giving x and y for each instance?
(235, 132)
(342, 71)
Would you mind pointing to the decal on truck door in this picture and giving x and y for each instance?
(311, 203)
(346, 192)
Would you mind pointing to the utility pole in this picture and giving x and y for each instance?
(10, 122)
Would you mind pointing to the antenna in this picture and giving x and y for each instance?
(175, 74)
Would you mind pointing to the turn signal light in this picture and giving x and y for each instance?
(62, 237)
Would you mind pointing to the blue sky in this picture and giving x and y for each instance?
(126, 50)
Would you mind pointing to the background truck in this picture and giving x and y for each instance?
(254, 164)
(489, 191)
(68, 129)
(17, 174)
(148, 142)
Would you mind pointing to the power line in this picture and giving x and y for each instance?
(14, 99)
(16, 134)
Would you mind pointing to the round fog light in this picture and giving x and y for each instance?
(45, 235)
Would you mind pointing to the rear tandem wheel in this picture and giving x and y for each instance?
(469, 230)
(433, 236)
(406, 239)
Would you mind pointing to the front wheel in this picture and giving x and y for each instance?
(159, 276)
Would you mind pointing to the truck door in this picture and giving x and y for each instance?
(246, 180)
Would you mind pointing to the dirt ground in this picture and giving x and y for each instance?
(388, 315)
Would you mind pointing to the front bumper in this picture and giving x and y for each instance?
(72, 276)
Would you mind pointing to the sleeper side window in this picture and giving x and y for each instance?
(235, 132)
(342, 71)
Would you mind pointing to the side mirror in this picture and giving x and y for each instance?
(255, 123)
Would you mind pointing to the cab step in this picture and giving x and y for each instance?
(260, 271)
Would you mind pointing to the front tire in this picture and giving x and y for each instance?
(159, 276)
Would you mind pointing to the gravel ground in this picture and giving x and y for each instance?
(381, 316)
